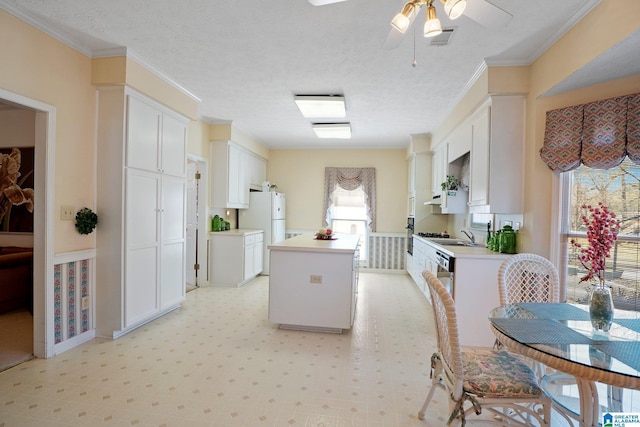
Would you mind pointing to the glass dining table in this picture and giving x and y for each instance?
(560, 336)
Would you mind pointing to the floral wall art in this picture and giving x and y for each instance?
(16, 189)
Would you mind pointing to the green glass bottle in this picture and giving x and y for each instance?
(508, 240)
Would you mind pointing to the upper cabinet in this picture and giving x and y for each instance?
(497, 156)
(160, 139)
(234, 172)
(438, 169)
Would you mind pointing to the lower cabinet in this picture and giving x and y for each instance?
(235, 256)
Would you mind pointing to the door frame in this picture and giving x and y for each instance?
(43, 221)
(202, 233)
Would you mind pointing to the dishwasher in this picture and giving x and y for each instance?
(446, 264)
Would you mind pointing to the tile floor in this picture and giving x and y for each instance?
(218, 361)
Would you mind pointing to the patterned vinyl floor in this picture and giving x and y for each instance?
(218, 361)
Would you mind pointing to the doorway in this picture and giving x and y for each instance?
(43, 229)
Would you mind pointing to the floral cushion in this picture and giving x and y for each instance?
(498, 374)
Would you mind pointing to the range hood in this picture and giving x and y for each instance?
(435, 201)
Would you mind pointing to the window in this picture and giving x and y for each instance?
(348, 214)
(619, 189)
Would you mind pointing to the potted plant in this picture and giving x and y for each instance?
(602, 232)
(450, 185)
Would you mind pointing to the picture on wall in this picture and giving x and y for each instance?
(16, 189)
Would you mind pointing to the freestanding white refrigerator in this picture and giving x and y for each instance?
(266, 212)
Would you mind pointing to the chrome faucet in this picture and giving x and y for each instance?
(470, 236)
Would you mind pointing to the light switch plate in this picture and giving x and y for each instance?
(67, 213)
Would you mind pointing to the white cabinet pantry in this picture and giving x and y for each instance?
(140, 262)
(235, 256)
(234, 171)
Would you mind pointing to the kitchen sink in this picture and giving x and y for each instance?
(451, 242)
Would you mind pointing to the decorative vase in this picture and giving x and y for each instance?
(601, 307)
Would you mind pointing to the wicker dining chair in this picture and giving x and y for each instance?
(532, 278)
(479, 380)
(528, 278)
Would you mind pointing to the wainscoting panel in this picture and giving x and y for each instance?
(387, 251)
(73, 290)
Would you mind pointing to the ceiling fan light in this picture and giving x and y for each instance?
(432, 27)
(454, 8)
(403, 19)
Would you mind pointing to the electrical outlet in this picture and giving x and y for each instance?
(85, 303)
(66, 213)
(315, 278)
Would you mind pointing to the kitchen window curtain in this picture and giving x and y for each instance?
(350, 179)
(597, 134)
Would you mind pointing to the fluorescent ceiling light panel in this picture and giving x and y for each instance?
(321, 107)
(332, 130)
(323, 2)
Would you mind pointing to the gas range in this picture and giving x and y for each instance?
(444, 235)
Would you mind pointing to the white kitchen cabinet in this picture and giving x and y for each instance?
(411, 179)
(234, 172)
(140, 261)
(419, 263)
(497, 156)
(438, 169)
(235, 256)
(152, 152)
(474, 288)
(257, 171)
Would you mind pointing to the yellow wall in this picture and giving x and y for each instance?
(37, 66)
(300, 175)
(606, 25)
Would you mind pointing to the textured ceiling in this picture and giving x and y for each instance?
(246, 60)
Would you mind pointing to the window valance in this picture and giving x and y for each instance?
(597, 134)
(350, 179)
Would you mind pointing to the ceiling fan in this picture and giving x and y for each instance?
(481, 11)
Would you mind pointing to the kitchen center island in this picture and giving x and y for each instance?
(313, 284)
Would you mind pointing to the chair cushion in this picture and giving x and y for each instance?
(498, 374)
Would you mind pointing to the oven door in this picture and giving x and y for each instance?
(410, 230)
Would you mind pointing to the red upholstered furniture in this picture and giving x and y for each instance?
(16, 278)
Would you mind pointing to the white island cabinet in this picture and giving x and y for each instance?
(313, 284)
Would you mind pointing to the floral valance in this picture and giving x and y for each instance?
(350, 179)
(597, 134)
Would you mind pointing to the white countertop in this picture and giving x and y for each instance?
(237, 232)
(308, 243)
(465, 251)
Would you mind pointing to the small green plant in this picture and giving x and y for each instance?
(452, 183)
(86, 221)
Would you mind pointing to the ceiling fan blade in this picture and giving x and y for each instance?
(487, 14)
(323, 2)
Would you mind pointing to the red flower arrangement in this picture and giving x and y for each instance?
(602, 232)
